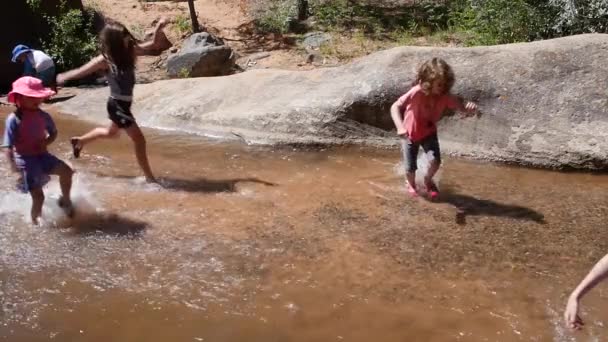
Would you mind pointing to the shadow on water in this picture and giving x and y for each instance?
(200, 184)
(209, 185)
(106, 223)
(470, 206)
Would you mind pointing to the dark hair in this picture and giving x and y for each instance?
(432, 70)
(118, 45)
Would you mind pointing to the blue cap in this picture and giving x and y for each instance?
(18, 50)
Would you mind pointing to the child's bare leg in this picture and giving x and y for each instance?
(411, 178)
(100, 132)
(433, 168)
(410, 155)
(37, 201)
(433, 151)
(139, 141)
(65, 174)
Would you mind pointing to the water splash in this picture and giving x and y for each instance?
(423, 162)
(19, 204)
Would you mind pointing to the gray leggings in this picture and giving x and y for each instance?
(410, 151)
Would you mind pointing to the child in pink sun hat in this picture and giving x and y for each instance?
(28, 133)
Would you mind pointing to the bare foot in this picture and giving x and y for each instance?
(66, 205)
(151, 180)
(411, 189)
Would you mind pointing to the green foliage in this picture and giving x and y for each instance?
(70, 41)
(508, 21)
(183, 24)
(274, 15)
(344, 14)
(475, 22)
(34, 4)
(581, 16)
(183, 73)
(498, 21)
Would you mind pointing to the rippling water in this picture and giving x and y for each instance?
(261, 244)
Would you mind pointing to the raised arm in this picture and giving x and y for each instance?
(598, 273)
(96, 64)
(158, 42)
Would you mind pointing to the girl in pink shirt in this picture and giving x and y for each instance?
(416, 114)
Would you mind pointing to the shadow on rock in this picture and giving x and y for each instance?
(58, 99)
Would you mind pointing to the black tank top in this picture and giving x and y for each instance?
(121, 82)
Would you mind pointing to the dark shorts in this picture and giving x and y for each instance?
(120, 113)
(36, 170)
(430, 145)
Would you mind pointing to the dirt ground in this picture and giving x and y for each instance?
(226, 19)
(231, 21)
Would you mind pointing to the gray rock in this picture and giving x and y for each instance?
(314, 40)
(258, 56)
(542, 103)
(201, 55)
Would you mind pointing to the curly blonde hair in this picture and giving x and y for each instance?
(433, 70)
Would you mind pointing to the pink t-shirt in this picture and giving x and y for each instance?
(421, 112)
(27, 134)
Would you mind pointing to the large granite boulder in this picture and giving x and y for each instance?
(542, 103)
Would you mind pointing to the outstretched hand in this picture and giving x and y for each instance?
(573, 320)
(162, 22)
(60, 80)
(470, 106)
(470, 109)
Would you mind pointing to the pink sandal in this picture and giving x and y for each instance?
(431, 189)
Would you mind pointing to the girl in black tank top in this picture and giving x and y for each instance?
(117, 61)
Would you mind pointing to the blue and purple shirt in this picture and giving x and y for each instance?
(27, 132)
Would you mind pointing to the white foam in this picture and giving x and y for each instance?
(423, 162)
(13, 202)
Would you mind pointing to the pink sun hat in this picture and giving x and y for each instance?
(31, 87)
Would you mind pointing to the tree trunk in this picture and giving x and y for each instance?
(195, 26)
(302, 10)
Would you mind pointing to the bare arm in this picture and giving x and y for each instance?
(459, 104)
(598, 273)
(96, 64)
(8, 152)
(51, 138)
(396, 110)
(153, 46)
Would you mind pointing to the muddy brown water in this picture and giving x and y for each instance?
(266, 244)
